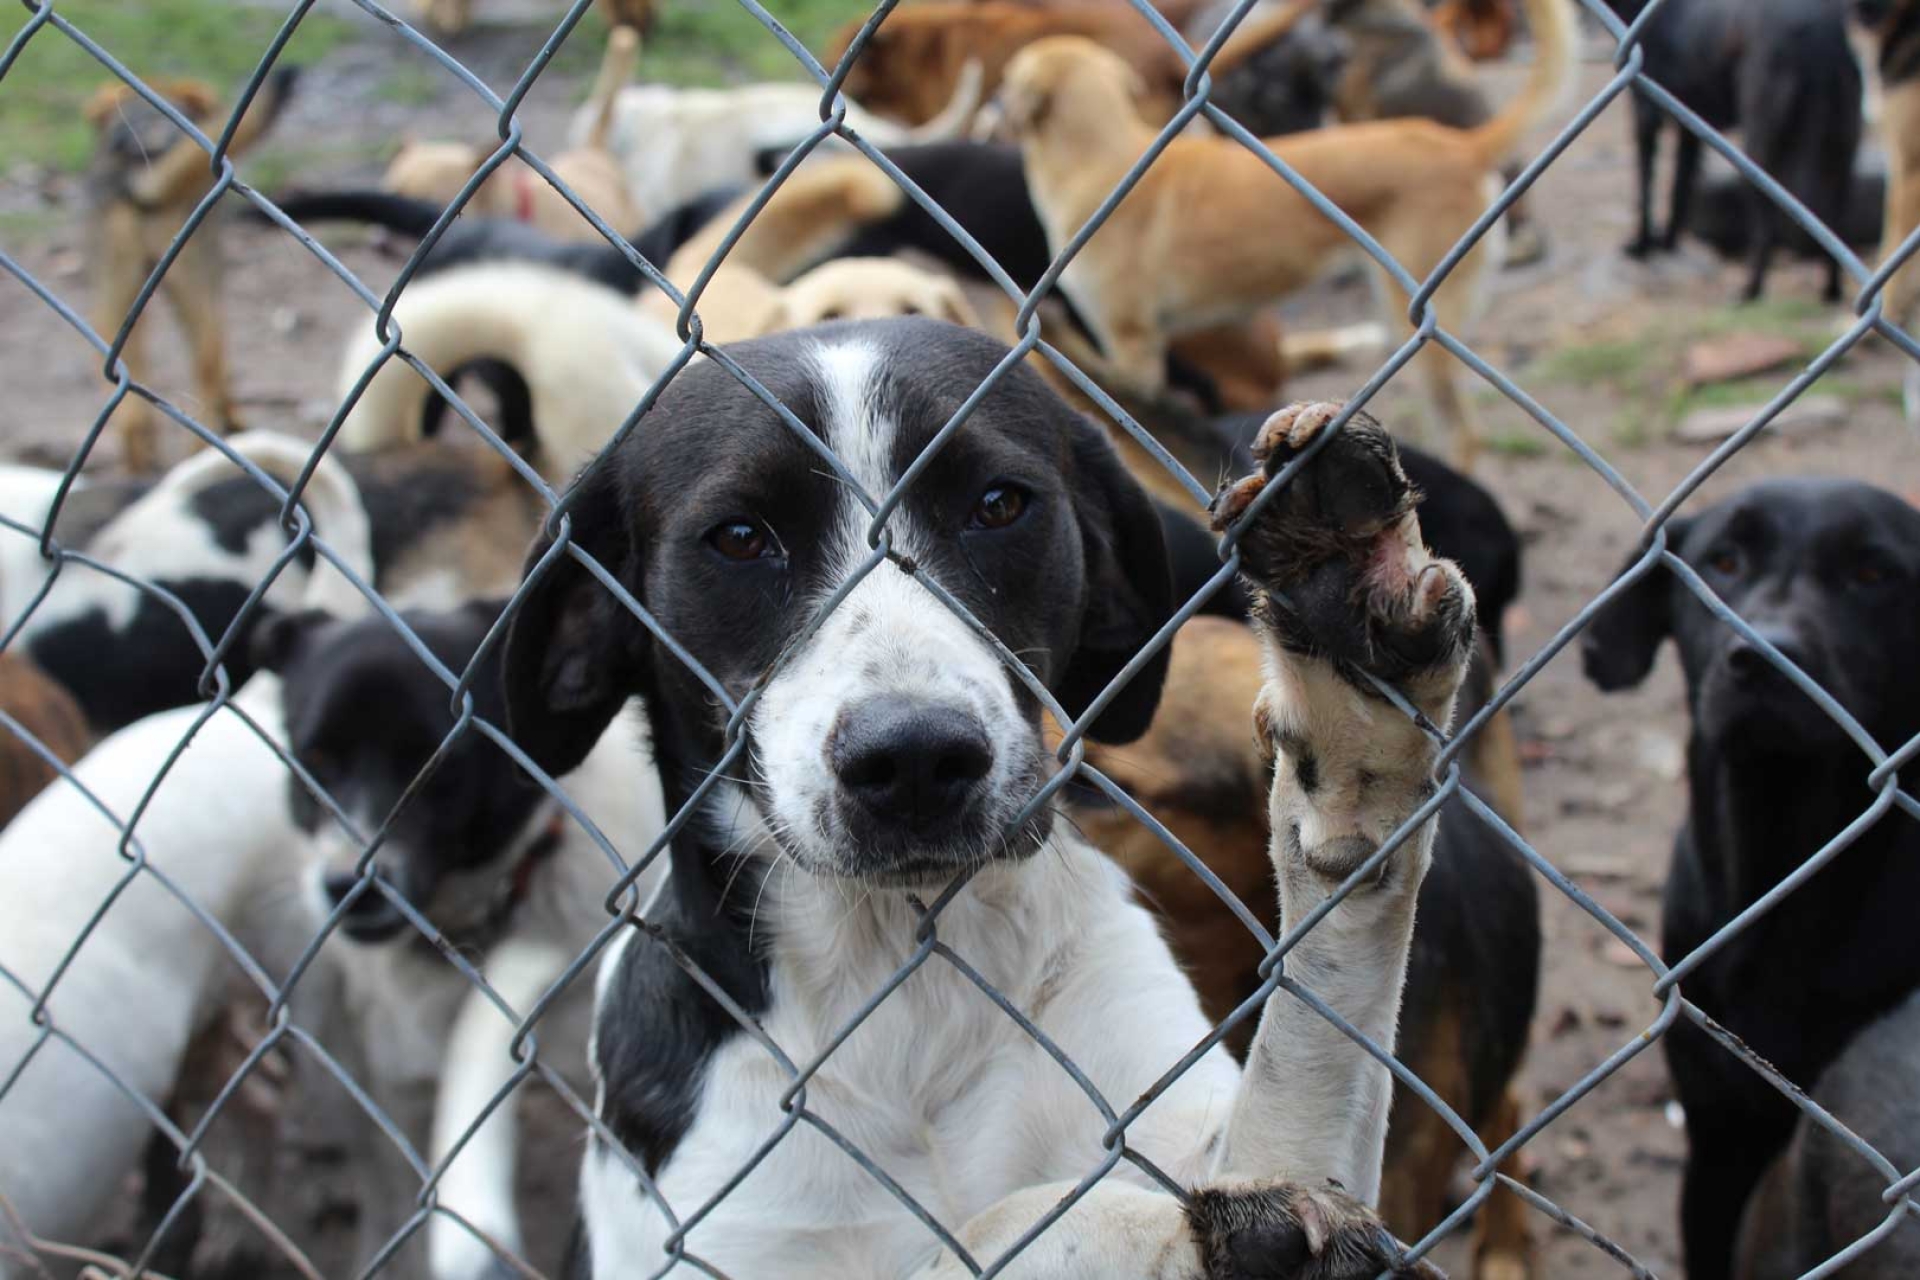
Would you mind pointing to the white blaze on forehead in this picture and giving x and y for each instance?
(889, 637)
(853, 425)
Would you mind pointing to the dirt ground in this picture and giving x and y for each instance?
(1598, 339)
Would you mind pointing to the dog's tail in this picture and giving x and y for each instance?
(819, 207)
(1554, 36)
(1257, 32)
(616, 72)
(956, 118)
(404, 214)
(183, 172)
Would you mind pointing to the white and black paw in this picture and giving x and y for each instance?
(1335, 559)
(1288, 1231)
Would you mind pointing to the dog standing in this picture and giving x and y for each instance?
(1892, 38)
(143, 183)
(1823, 571)
(1211, 234)
(1782, 71)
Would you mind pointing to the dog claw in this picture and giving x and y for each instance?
(1286, 1231)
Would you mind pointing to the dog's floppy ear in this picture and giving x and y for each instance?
(278, 638)
(574, 653)
(951, 304)
(1617, 648)
(1129, 590)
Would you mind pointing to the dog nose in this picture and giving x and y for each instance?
(1746, 661)
(371, 917)
(909, 761)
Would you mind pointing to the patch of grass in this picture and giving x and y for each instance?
(18, 225)
(411, 84)
(275, 168)
(1517, 444)
(41, 97)
(715, 41)
(1607, 361)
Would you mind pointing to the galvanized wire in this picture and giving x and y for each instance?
(1880, 765)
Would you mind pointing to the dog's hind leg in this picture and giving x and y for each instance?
(1686, 179)
(121, 268)
(192, 284)
(1502, 1237)
(1646, 144)
(1763, 232)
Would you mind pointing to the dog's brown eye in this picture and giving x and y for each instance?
(1725, 563)
(833, 313)
(742, 540)
(998, 507)
(909, 310)
(1869, 573)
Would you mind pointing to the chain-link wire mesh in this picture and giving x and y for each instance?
(227, 711)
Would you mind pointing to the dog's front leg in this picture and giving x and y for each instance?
(1345, 593)
(478, 1184)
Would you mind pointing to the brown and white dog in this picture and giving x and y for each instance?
(1212, 234)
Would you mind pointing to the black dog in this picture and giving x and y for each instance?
(1821, 1196)
(1779, 70)
(1824, 570)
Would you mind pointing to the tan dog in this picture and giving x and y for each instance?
(1212, 234)
(739, 303)
(438, 170)
(912, 66)
(144, 182)
(451, 17)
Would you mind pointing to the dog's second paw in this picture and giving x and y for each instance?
(1288, 1231)
(1336, 559)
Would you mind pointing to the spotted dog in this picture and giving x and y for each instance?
(890, 752)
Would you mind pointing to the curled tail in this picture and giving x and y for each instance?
(1554, 33)
(616, 71)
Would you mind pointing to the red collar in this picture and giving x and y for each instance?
(540, 850)
(523, 179)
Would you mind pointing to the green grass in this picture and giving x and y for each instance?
(412, 84)
(715, 41)
(41, 96)
(1645, 369)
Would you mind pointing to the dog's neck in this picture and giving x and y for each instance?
(1757, 817)
(830, 944)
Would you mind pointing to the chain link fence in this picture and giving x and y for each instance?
(226, 711)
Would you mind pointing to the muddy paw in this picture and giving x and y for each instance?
(1336, 559)
(1287, 1231)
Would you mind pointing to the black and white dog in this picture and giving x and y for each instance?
(892, 752)
(426, 525)
(1824, 570)
(492, 861)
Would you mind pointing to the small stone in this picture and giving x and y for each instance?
(1737, 355)
(1808, 413)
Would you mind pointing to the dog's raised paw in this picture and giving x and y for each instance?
(1289, 1231)
(1336, 559)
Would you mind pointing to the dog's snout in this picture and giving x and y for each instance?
(370, 917)
(911, 762)
(1748, 662)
